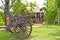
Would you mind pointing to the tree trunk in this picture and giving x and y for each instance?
(58, 16)
(6, 9)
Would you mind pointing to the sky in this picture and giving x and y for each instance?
(39, 2)
(0, 3)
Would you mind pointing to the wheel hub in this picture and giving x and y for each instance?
(23, 28)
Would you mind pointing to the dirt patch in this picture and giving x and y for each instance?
(37, 25)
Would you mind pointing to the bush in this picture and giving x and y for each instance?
(1, 18)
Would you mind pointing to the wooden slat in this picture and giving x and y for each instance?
(2, 26)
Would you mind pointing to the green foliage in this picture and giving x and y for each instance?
(18, 6)
(51, 11)
(58, 3)
(1, 18)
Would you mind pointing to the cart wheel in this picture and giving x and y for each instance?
(23, 31)
(11, 29)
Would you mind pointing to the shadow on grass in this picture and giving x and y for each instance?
(57, 35)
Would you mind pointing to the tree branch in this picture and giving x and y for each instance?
(13, 1)
(1, 8)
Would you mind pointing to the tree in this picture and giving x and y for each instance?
(57, 19)
(51, 10)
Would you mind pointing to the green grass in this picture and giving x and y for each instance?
(50, 32)
(7, 36)
(1, 22)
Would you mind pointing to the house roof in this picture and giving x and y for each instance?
(36, 10)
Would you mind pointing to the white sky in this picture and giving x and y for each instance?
(0, 3)
(39, 2)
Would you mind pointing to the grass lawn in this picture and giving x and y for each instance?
(52, 32)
